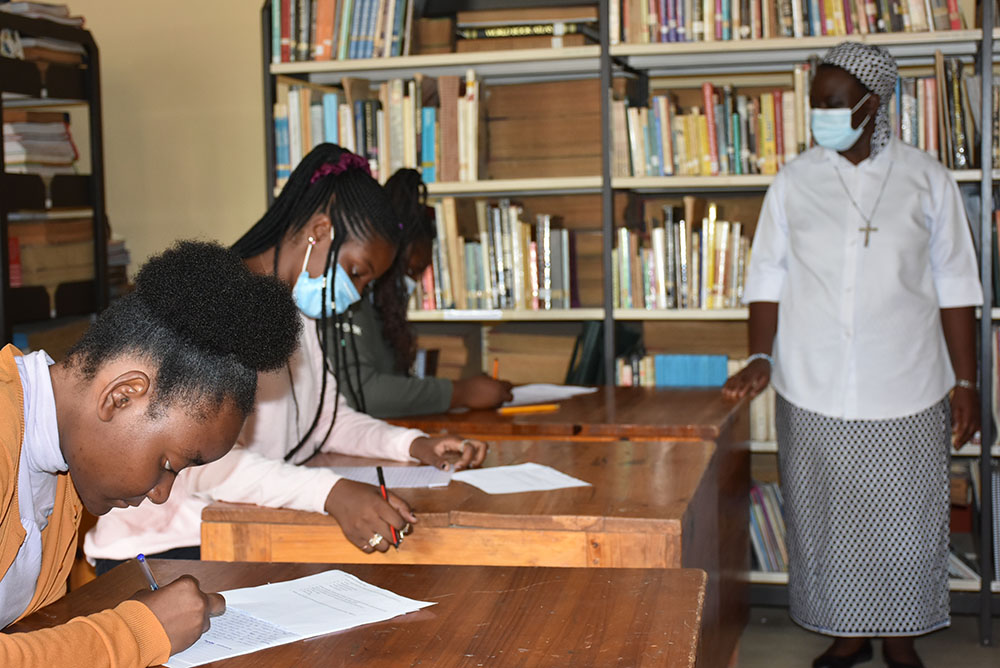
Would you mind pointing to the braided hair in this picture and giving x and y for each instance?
(329, 180)
(408, 195)
(207, 345)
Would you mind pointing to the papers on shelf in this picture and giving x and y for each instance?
(274, 614)
(528, 477)
(397, 476)
(545, 393)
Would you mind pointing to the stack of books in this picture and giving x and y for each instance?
(509, 263)
(642, 22)
(727, 132)
(43, 10)
(38, 142)
(303, 30)
(426, 123)
(526, 28)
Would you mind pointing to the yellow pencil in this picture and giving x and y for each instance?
(534, 408)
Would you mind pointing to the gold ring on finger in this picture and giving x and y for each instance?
(375, 540)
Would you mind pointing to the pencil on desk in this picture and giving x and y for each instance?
(385, 495)
(496, 368)
(534, 408)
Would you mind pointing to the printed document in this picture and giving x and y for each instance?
(528, 477)
(545, 393)
(397, 476)
(274, 614)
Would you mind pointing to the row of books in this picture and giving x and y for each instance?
(428, 123)
(662, 370)
(643, 22)
(726, 132)
(767, 528)
(509, 263)
(303, 30)
(38, 142)
(679, 265)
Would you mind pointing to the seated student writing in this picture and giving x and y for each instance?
(377, 380)
(154, 386)
(329, 233)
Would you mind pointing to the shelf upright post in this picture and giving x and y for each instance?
(607, 196)
(988, 429)
(270, 175)
(7, 332)
(97, 196)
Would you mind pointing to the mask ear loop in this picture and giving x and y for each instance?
(309, 250)
(858, 106)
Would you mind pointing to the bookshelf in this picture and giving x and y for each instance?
(639, 66)
(31, 86)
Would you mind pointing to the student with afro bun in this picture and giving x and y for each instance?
(162, 381)
(328, 235)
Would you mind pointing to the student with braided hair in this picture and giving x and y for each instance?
(162, 381)
(329, 233)
(381, 333)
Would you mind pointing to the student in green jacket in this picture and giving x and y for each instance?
(380, 338)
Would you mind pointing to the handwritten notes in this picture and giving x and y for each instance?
(274, 614)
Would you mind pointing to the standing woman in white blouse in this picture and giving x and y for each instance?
(862, 288)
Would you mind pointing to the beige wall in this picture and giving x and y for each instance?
(183, 138)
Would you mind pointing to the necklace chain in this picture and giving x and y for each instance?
(868, 229)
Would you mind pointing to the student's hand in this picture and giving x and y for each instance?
(480, 392)
(432, 451)
(749, 381)
(361, 513)
(183, 609)
(964, 415)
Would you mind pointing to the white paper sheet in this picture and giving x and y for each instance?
(545, 393)
(274, 614)
(397, 476)
(528, 477)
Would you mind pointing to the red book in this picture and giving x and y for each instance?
(848, 17)
(954, 18)
(427, 283)
(324, 30)
(14, 262)
(286, 31)
(448, 93)
(708, 93)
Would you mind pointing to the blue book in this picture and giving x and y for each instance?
(373, 12)
(690, 370)
(428, 120)
(360, 146)
(658, 139)
(357, 16)
(275, 31)
(282, 150)
(398, 25)
(331, 128)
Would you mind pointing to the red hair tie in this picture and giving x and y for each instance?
(346, 161)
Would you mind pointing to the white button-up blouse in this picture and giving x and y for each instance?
(859, 329)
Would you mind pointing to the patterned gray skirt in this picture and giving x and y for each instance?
(866, 508)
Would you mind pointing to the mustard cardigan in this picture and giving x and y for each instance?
(127, 636)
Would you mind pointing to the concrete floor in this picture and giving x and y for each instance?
(772, 640)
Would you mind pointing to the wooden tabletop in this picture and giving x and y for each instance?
(609, 413)
(496, 616)
(636, 488)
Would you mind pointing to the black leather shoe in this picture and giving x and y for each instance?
(827, 660)
(890, 663)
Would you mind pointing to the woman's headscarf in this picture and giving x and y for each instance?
(877, 71)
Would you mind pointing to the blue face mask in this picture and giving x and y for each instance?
(832, 127)
(308, 291)
(411, 285)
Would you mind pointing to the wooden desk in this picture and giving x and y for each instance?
(632, 413)
(653, 505)
(484, 616)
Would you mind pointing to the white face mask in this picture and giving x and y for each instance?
(832, 127)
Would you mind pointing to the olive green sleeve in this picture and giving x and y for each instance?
(387, 393)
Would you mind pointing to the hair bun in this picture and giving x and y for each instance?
(204, 293)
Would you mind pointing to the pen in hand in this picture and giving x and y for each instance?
(148, 573)
(396, 538)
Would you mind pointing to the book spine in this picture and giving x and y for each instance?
(708, 96)
(428, 123)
